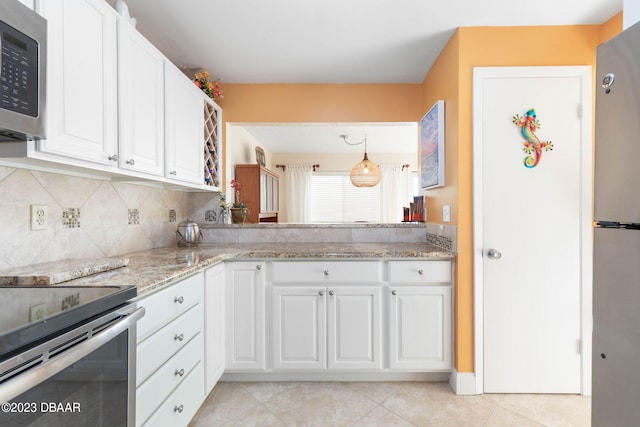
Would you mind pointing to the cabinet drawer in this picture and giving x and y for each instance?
(159, 347)
(420, 271)
(183, 403)
(155, 389)
(169, 303)
(326, 271)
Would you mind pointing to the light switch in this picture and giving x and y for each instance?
(446, 213)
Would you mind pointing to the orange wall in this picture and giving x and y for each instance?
(611, 28)
(272, 103)
(489, 47)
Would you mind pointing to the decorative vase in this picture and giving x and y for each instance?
(239, 215)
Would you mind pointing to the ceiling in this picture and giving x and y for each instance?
(334, 41)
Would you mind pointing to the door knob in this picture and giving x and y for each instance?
(494, 254)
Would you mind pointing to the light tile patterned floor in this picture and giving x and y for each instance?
(383, 404)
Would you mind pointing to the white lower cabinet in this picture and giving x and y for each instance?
(170, 382)
(420, 328)
(317, 328)
(214, 325)
(245, 316)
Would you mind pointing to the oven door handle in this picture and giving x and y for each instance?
(19, 384)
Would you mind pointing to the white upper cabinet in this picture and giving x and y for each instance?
(81, 80)
(184, 127)
(140, 102)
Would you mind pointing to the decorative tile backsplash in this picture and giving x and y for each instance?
(71, 218)
(134, 217)
(106, 208)
(443, 236)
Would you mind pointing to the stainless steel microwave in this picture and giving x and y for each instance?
(23, 43)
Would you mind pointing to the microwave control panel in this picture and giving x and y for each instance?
(19, 72)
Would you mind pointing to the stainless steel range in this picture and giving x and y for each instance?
(67, 356)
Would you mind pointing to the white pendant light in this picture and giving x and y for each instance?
(365, 173)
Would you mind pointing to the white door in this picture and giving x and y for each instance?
(299, 327)
(82, 118)
(420, 327)
(141, 102)
(354, 333)
(245, 316)
(184, 127)
(530, 222)
(214, 325)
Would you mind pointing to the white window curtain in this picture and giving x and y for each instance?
(298, 193)
(394, 192)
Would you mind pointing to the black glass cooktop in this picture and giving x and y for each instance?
(30, 314)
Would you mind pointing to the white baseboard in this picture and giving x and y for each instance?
(335, 376)
(463, 383)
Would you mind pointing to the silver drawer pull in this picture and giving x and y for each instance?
(179, 373)
(394, 292)
(421, 272)
(258, 267)
(321, 293)
(179, 337)
(326, 272)
(173, 173)
(130, 162)
(178, 409)
(331, 292)
(178, 300)
(113, 158)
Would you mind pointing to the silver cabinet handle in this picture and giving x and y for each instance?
(178, 300)
(130, 162)
(173, 173)
(494, 254)
(258, 267)
(178, 409)
(394, 292)
(179, 337)
(331, 292)
(321, 293)
(421, 272)
(113, 158)
(326, 272)
(179, 372)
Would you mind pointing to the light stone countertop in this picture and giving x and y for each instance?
(151, 269)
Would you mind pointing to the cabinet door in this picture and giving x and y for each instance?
(245, 316)
(354, 333)
(298, 327)
(420, 327)
(184, 127)
(141, 102)
(81, 80)
(214, 321)
(264, 204)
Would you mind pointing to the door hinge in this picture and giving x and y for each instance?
(580, 111)
(580, 346)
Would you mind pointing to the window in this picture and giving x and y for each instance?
(335, 200)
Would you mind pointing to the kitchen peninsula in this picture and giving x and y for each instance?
(282, 311)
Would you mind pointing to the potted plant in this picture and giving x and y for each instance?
(239, 211)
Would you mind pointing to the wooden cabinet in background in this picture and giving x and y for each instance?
(260, 192)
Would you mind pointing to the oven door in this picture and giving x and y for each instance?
(80, 378)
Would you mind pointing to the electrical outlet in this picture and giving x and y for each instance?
(446, 213)
(165, 215)
(39, 217)
(37, 312)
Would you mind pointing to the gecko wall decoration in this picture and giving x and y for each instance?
(528, 125)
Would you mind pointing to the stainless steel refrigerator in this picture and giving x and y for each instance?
(616, 279)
